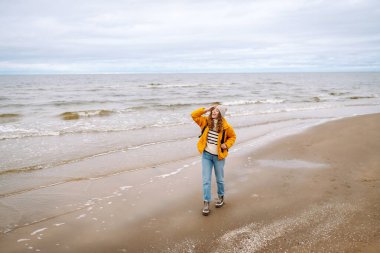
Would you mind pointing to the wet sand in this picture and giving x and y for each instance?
(317, 191)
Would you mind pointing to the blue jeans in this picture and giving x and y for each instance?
(209, 161)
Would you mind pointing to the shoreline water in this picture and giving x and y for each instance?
(163, 202)
(155, 153)
(96, 163)
(146, 110)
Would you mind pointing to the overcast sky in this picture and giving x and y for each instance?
(94, 36)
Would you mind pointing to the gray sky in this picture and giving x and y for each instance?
(188, 36)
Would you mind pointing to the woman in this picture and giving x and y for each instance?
(216, 138)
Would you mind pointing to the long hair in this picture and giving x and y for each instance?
(219, 125)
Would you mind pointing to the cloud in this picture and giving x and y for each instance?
(188, 36)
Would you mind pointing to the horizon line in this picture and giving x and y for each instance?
(165, 73)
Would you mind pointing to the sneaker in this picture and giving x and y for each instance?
(206, 209)
(219, 202)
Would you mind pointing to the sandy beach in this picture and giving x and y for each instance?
(316, 191)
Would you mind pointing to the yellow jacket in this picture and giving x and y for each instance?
(230, 135)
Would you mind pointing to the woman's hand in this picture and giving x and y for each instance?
(223, 146)
(210, 109)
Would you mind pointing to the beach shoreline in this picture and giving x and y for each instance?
(317, 190)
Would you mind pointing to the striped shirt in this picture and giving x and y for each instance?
(212, 142)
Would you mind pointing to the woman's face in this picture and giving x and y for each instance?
(215, 113)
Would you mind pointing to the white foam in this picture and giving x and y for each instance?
(248, 102)
(185, 246)
(81, 216)
(256, 236)
(95, 178)
(89, 203)
(174, 172)
(23, 240)
(171, 174)
(37, 231)
(58, 224)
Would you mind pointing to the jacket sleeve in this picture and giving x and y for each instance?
(198, 118)
(231, 137)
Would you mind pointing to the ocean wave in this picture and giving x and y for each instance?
(88, 113)
(9, 132)
(177, 105)
(338, 93)
(10, 115)
(135, 108)
(268, 82)
(78, 102)
(279, 110)
(13, 132)
(260, 101)
(160, 106)
(361, 97)
(15, 105)
(22, 170)
(366, 104)
(160, 85)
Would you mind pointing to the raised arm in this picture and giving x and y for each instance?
(197, 115)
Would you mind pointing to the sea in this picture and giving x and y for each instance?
(62, 128)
